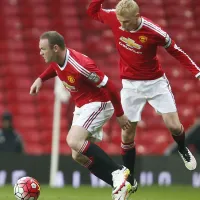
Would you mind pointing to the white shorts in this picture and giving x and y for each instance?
(157, 93)
(92, 117)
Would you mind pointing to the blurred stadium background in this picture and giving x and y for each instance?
(22, 22)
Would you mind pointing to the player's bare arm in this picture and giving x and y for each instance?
(47, 74)
(124, 122)
(36, 86)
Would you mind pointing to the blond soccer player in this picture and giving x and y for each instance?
(137, 39)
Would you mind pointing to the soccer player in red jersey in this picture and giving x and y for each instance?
(94, 96)
(143, 79)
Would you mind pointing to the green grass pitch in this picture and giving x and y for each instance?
(88, 193)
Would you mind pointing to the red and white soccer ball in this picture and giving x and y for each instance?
(27, 188)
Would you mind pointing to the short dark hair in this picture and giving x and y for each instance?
(54, 38)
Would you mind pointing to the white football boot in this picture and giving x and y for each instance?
(134, 188)
(123, 193)
(121, 187)
(188, 159)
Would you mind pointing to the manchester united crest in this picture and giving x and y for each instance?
(143, 39)
(71, 79)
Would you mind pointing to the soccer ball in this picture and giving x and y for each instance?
(27, 188)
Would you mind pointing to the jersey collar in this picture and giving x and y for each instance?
(66, 60)
(140, 26)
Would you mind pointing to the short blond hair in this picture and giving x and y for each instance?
(126, 6)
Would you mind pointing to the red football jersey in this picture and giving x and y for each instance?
(82, 78)
(138, 48)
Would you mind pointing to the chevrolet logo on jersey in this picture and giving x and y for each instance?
(69, 87)
(131, 43)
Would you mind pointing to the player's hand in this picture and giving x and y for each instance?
(124, 122)
(35, 88)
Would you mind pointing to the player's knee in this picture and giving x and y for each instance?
(72, 143)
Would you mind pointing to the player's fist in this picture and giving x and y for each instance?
(35, 88)
(124, 122)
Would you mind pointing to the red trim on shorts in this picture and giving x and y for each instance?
(169, 88)
(93, 116)
(89, 118)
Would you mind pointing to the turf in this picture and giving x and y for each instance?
(88, 193)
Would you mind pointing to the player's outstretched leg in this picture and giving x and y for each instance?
(119, 175)
(76, 139)
(111, 178)
(187, 157)
(98, 170)
(176, 128)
